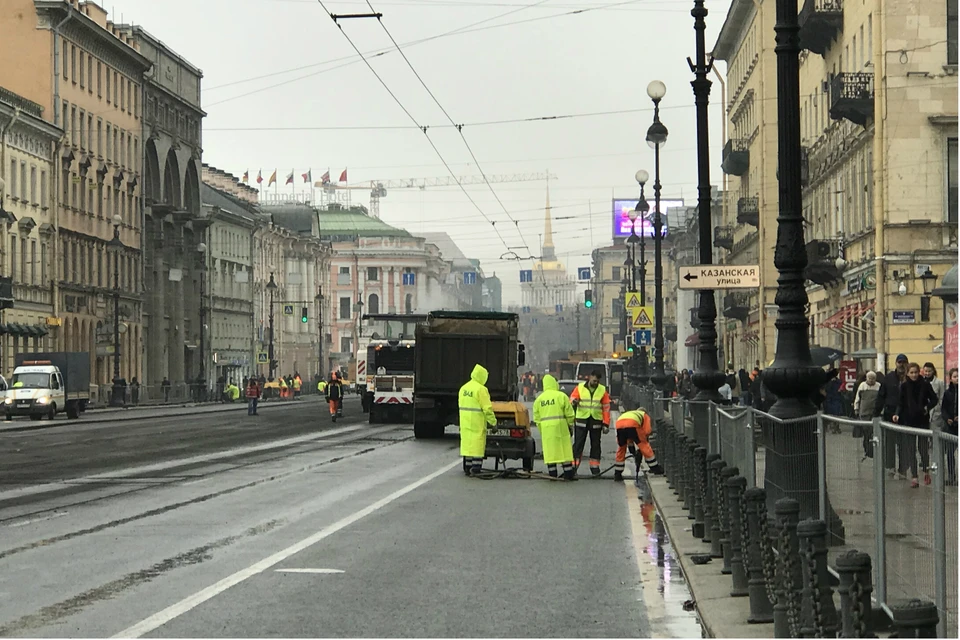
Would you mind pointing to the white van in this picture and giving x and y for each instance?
(35, 391)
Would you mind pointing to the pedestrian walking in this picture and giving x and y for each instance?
(886, 406)
(253, 396)
(476, 412)
(948, 413)
(633, 430)
(913, 410)
(333, 393)
(554, 416)
(165, 385)
(864, 405)
(591, 402)
(135, 391)
(930, 375)
(340, 399)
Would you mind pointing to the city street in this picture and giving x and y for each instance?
(224, 525)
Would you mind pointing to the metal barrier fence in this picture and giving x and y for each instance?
(882, 488)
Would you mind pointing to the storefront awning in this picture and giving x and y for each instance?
(850, 315)
(692, 340)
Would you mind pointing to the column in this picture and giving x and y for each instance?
(175, 348)
(155, 296)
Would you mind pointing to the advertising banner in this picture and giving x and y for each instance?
(644, 226)
(950, 335)
(848, 375)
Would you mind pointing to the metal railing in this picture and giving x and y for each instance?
(884, 489)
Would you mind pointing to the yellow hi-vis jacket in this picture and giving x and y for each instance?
(594, 405)
(553, 414)
(476, 412)
(296, 384)
(321, 386)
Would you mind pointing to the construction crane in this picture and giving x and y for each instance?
(378, 188)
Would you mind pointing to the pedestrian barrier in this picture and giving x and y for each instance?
(886, 544)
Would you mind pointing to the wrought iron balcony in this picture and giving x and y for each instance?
(736, 306)
(748, 211)
(804, 166)
(723, 238)
(851, 97)
(736, 157)
(694, 318)
(822, 266)
(820, 22)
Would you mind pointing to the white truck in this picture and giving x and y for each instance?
(45, 384)
(387, 331)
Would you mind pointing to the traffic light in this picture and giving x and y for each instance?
(304, 318)
(629, 340)
(588, 298)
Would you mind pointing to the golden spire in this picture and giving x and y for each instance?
(548, 252)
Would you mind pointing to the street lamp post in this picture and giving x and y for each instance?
(271, 287)
(708, 377)
(119, 391)
(202, 382)
(319, 332)
(641, 211)
(656, 138)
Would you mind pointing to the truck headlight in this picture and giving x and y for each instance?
(43, 399)
(8, 401)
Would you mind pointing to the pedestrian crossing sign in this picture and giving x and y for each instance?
(288, 309)
(632, 300)
(262, 357)
(642, 317)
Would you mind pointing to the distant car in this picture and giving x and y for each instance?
(567, 386)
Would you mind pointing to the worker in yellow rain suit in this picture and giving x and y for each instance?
(634, 428)
(476, 412)
(554, 416)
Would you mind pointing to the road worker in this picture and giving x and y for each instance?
(634, 429)
(553, 415)
(340, 399)
(476, 412)
(322, 386)
(592, 405)
(283, 388)
(334, 394)
(297, 384)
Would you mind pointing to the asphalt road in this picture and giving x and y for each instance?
(286, 525)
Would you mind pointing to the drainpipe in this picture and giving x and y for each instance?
(3, 223)
(879, 187)
(57, 171)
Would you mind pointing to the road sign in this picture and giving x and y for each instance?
(642, 317)
(643, 337)
(632, 300)
(720, 276)
(288, 309)
(583, 273)
(558, 308)
(469, 277)
(409, 279)
(526, 275)
(262, 357)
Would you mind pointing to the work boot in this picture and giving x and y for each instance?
(618, 476)
(475, 471)
(595, 471)
(552, 472)
(570, 475)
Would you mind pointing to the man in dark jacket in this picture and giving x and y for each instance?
(886, 408)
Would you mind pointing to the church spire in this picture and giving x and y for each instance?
(549, 254)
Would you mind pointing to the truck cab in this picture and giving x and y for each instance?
(36, 390)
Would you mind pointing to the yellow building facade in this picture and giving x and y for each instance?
(878, 105)
(87, 74)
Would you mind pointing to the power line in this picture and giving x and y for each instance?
(414, 120)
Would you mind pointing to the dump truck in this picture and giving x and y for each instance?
(449, 344)
(391, 365)
(45, 384)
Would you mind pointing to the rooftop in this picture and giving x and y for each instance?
(448, 248)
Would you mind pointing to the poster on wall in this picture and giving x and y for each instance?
(950, 335)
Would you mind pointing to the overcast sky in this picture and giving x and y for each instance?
(285, 64)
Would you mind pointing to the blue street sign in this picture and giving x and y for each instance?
(559, 308)
(409, 279)
(469, 277)
(526, 309)
(643, 338)
(526, 275)
(534, 321)
(583, 273)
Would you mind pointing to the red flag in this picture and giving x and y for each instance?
(259, 176)
(308, 176)
(343, 176)
(289, 178)
(246, 176)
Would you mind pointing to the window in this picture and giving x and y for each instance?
(952, 201)
(345, 345)
(33, 185)
(73, 125)
(73, 63)
(345, 308)
(99, 79)
(869, 42)
(23, 182)
(13, 257)
(90, 74)
(343, 278)
(43, 263)
(33, 262)
(615, 274)
(373, 303)
(99, 138)
(108, 85)
(373, 274)
(83, 72)
(13, 178)
(952, 32)
(63, 58)
(109, 128)
(116, 89)
(43, 189)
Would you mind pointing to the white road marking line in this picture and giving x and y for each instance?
(649, 573)
(308, 570)
(24, 523)
(172, 612)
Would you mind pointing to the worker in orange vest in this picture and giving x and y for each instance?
(634, 429)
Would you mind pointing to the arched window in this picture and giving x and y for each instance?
(373, 303)
(408, 304)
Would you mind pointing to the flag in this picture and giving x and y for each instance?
(325, 178)
(259, 176)
(289, 178)
(308, 176)
(246, 176)
(273, 178)
(343, 176)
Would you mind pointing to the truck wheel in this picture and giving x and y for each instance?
(531, 454)
(53, 412)
(73, 411)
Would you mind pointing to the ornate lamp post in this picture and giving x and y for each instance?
(118, 396)
(656, 138)
(202, 382)
(271, 287)
(641, 211)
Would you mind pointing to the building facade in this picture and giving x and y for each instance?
(172, 173)
(462, 289)
(551, 288)
(27, 238)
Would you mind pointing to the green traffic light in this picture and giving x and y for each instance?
(588, 304)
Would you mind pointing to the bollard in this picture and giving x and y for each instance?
(725, 474)
(674, 467)
(690, 494)
(856, 586)
(915, 618)
(708, 497)
(818, 615)
(735, 489)
(786, 613)
(754, 509)
(699, 491)
(715, 491)
(681, 468)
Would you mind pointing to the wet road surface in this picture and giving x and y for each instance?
(295, 527)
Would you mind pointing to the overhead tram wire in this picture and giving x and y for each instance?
(452, 122)
(419, 126)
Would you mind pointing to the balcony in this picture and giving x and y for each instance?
(736, 306)
(723, 238)
(736, 157)
(804, 167)
(748, 211)
(851, 97)
(822, 260)
(820, 22)
(694, 318)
